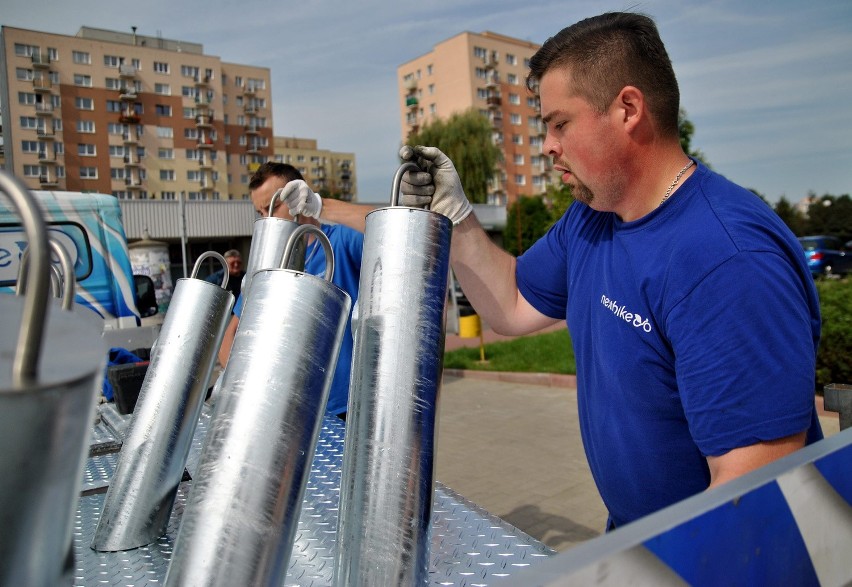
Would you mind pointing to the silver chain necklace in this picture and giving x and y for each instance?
(676, 179)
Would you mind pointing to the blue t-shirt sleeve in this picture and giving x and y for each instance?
(541, 272)
(744, 354)
(238, 306)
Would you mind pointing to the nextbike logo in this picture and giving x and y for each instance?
(621, 312)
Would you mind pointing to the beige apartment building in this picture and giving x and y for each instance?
(136, 116)
(329, 173)
(486, 71)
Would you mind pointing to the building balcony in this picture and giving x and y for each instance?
(203, 102)
(48, 181)
(47, 157)
(411, 101)
(202, 81)
(46, 133)
(131, 162)
(42, 84)
(129, 118)
(204, 121)
(44, 108)
(127, 94)
(250, 109)
(131, 137)
(249, 90)
(41, 61)
(252, 129)
(253, 149)
(126, 71)
(206, 185)
(205, 163)
(490, 61)
(493, 101)
(493, 80)
(132, 183)
(206, 143)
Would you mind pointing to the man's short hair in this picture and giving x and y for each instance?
(273, 169)
(232, 253)
(608, 52)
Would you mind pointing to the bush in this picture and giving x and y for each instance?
(834, 358)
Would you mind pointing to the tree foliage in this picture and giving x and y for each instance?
(527, 219)
(686, 129)
(466, 139)
(830, 216)
(792, 216)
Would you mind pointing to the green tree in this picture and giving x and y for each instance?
(792, 216)
(686, 129)
(466, 139)
(831, 216)
(558, 198)
(527, 219)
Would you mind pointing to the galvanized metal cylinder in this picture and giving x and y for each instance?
(387, 478)
(241, 518)
(46, 413)
(269, 237)
(142, 492)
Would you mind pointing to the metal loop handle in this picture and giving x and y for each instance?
(31, 333)
(397, 180)
(276, 196)
(61, 282)
(219, 258)
(323, 239)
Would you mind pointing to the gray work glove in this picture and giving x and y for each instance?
(444, 193)
(301, 199)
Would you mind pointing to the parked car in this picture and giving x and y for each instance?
(827, 256)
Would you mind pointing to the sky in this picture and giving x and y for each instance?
(765, 82)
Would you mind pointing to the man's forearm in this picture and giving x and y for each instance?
(487, 276)
(346, 213)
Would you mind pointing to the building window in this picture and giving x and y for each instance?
(112, 61)
(88, 173)
(517, 140)
(87, 126)
(163, 110)
(429, 69)
(26, 98)
(511, 59)
(433, 108)
(161, 67)
(115, 128)
(514, 99)
(32, 170)
(188, 71)
(190, 133)
(167, 175)
(481, 73)
(136, 63)
(113, 83)
(85, 150)
(193, 155)
(515, 118)
(81, 57)
(30, 146)
(165, 153)
(113, 106)
(165, 132)
(84, 103)
(26, 50)
(193, 175)
(82, 80)
(520, 179)
(117, 172)
(116, 150)
(163, 89)
(480, 52)
(29, 122)
(512, 79)
(24, 74)
(167, 195)
(518, 159)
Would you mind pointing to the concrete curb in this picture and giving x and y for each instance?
(545, 379)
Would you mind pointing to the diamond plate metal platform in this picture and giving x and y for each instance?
(470, 547)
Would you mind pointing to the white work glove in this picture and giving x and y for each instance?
(300, 199)
(444, 193)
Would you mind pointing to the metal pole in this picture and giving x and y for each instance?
(183, 231)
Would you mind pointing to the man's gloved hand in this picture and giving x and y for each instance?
(301, 199)
(444, 193)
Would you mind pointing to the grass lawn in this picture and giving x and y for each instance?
(543, 353)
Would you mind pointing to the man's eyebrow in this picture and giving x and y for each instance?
(550, 116)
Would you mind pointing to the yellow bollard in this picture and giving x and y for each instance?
(470, 326)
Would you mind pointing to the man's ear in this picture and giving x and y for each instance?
(630, 105)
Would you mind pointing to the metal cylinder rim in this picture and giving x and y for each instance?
(219, 258)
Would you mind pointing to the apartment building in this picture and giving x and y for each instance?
(136, 116)
(486, 71)
(328, 172)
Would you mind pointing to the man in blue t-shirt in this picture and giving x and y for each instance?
(346, 245)
(693, 315)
